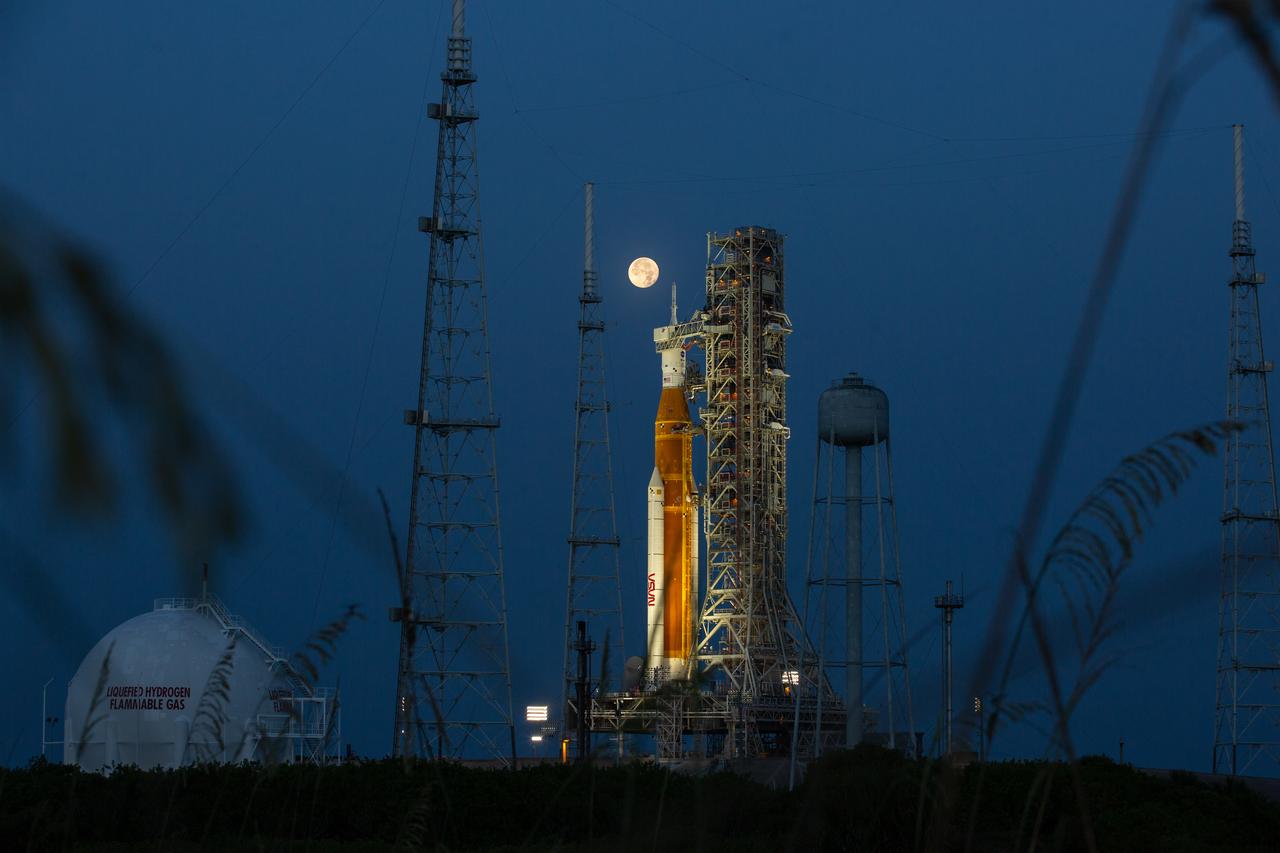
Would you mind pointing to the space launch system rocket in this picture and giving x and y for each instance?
(673, 523)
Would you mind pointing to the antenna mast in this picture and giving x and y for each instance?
(594, 590)
(1246, 725)
(453, 687)
(948, 603)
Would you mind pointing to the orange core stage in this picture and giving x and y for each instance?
(673, 528)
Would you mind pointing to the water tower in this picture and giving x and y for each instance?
(853, 571)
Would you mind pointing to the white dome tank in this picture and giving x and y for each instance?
(143, 705)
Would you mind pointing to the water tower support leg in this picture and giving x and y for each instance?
(853, 593)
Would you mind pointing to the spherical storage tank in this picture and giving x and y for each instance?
(852, 413)
(136, 698)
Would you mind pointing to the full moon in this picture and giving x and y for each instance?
(643, 272)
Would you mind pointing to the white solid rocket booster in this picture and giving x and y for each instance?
(656, 586)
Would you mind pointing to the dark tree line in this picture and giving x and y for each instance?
(867, 800)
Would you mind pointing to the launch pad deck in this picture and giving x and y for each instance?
(669, 713)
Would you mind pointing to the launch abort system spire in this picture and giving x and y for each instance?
(594, 591)
(453, 685)
(1247, 712)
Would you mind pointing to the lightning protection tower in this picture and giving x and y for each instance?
(864, 638)
(453, 686)
(1247, 713)
(594, 590)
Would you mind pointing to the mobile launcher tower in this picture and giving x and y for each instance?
(724, 676)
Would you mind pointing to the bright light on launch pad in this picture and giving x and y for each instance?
(643, 272)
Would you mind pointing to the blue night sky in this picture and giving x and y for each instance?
(944, 174)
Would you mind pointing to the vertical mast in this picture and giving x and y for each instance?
(453, 691)
(948, 603)
(1237, 139)
(594, 591)
(1247, 726)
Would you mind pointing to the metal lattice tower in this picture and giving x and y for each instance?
(748, 636)
(1247, 712)
(594, 589)
(453, 691)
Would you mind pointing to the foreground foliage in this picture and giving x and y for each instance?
(870, 799)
